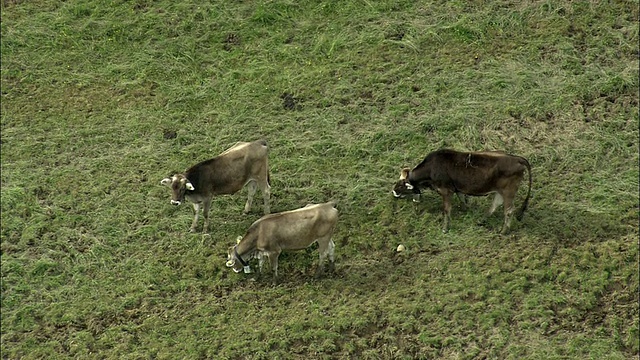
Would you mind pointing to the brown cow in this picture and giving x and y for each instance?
(288, 230)
(471, 173)
(245, 163)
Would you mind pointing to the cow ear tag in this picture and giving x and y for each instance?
(247, 269)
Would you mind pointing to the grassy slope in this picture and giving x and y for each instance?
(96, 264)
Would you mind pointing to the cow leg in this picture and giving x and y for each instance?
(325, 248)
(273, 259)
(416, 200)
(251, 186)
(266, 196)
(508, 212)
(463, 200)
(497, 201)
(196, 212)
(205, 212)
(332, 247)
(260, 257)
(446, 199)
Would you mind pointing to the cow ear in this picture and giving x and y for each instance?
(166, 181)
(404, 173)
(189, 186)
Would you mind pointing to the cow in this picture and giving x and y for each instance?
(469, 173)
(288, 230)
(245, 163)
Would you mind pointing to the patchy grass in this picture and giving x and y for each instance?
(101, 100)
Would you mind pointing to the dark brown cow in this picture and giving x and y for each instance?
(288, 230)
(245, 163)
(470, 173)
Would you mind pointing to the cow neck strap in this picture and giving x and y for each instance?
(235, 253)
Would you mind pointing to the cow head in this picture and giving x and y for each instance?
(236, 262)
(179, 184)
(232, 260)
(403, 187)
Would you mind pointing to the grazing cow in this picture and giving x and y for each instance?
(470, 173)
(245, 163)
(288, 230)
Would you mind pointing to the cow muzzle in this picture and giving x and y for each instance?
(231, 263)
(246, 269)
(174, 202)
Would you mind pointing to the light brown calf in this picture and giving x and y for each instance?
(289, 230)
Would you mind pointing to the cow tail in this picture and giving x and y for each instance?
(526, 200)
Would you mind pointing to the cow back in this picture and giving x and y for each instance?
(473, 173)
(228, 172)
(295, 229)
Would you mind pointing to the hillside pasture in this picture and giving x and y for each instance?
(101, 100)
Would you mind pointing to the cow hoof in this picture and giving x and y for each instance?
(332, 268)
(319, 273)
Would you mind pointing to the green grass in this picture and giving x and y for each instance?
(97, 264)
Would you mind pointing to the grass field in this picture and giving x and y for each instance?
(102, 99)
